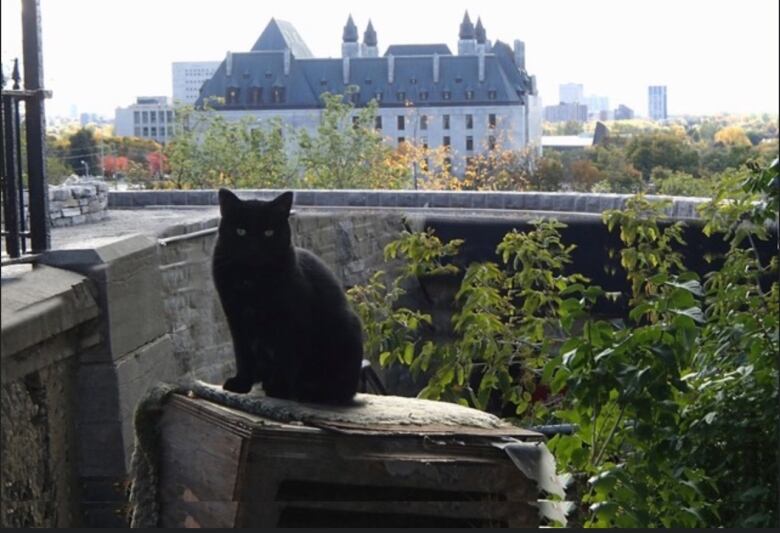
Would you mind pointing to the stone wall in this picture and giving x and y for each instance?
(49, 318)
(77, 201)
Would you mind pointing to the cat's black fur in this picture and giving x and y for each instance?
(292, 327)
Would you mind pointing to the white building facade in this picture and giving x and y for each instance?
(150, 117)
(188, 78)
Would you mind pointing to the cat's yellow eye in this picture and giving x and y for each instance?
(268, 232)
(240, 232)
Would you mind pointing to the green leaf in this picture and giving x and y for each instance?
(408, 353)
(693, 312)
(384, 357)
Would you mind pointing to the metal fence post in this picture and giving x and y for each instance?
(35, 122)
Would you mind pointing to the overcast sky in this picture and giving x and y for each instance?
(714, 55)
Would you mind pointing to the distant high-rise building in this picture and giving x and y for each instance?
(564, 112)
(656, 102)
(571, 93)
(188, 77)
(624, 113)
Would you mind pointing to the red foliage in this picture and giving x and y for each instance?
(113, 164)
(158, 163)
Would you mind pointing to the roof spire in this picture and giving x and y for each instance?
(369, 37)
(466, 28)
(480, 32)
(350, 34)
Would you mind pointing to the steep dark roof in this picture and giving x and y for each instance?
(466, 28)
(418, 50)
(369, 36)
(350, 34)
(279, 35)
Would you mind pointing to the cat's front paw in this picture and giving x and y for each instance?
(238, 384)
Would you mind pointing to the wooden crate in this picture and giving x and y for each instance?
(225, 468)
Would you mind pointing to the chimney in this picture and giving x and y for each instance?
(520, 54)
(287, 61)
(390, 68)
(229, 64)
(345, 70)
(481, 62)
(435, 68)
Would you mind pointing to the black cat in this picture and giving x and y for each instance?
(292, 327)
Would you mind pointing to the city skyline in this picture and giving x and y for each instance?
(712, 57)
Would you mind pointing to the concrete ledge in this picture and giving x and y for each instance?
(38, 305)
(682, 206)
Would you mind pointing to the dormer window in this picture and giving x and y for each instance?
(268, 74)
(255, 95)
(378, 97)
(458, 79)
(231, 95)
(413, 81)
(423, 95)
(446, 95)
(401, 96)
(323, 82)
(368, 81)
(354, 98)
(469, 94)
(278, 95)
(491, 94)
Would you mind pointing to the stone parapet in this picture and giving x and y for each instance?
(569, 202)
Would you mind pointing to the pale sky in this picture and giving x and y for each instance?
(714, 55)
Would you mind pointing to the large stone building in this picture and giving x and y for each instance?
(188, 77)
(472, 101)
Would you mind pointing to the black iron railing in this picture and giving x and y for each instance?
(16, 163)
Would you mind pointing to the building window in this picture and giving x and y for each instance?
(446, 140)
(162, 131)
(469, 94)
(231, 95)
(378, 122)
(278, 95)
(401, 140)
(136, 117)
(378, 97)
(469, 143)
(154, 131)
(446, 95)
(413, 81)
(400, 96)
(137, 131)
(401, 122)
(146, 131)
(354, 98)
(145, 117)
(255, 95)
(469, 122)
(424, 122)
(491, 143)
(423, 95)
(492, 120)
(491, 94)
(445, 122)
(424, 141)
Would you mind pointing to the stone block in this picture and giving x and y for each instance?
(126, 273)
(59, 194)
(71, 211)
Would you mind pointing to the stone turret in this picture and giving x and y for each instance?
(349, 40)
(370, 48)
(467, 44)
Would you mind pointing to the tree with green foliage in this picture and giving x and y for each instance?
(83, 152)
(660, 149)
(348, 152)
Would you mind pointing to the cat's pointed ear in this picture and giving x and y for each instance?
(283, 203)
(227, 201)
